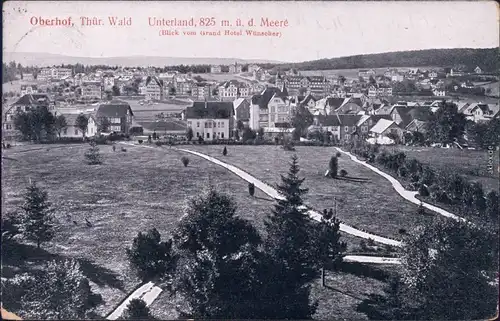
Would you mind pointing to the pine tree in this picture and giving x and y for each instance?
(291, 248)
(92, 154)
(37, 220)
(333, 166)
(224, 151)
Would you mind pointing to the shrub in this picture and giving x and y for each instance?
(371, 242)
(124, 149)
(343, 173)
(8, 145)
(423, 190)
(338, 154)
(185, 161)
(402, 231)
(333, 166)
(137, 310)
(362, 245)
(251, 189)
(224, 151)
(140, 141)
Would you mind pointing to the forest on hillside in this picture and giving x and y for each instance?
(486, 59)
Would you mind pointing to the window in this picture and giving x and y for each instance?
(208, 135)
(222, 124)
(116, 128)
(222, 135)
(272, 109)
(346, 128)
(197, 124)
(76, 131)
(65, 131)
(197, 134)
(189, 123)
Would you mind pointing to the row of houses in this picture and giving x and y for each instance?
(235, 68)
(116, 114)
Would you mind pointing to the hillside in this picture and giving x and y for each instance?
(47, 59)
(487, 59)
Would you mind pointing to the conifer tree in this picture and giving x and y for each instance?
(37, 219)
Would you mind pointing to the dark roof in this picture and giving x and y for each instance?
(356, 101)
(409, 114)
(210, 109)
(334, 102)
(349, 120)
(114, 108)
(306, 100)
(32, 99)
(159, 82)
(263, 99)
(329, 120)
(163, 126)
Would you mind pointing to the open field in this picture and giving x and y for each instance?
(131, 192)
(470, 163)
(365, 199)
(220, 77)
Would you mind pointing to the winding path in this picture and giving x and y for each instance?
(148, 292)
(406, 194)
(274, 194)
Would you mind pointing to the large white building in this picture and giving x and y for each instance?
(269, 108)
(210, 119)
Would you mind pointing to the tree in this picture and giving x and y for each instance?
(189, 134)
(104, 125)
(240, 126)
(260, 133)
(185, 161)
(302, 91)
(115, 90)
(92, 155)
(217, 267)
(171, 91)
(248, 134)
(60, 291)
(224, 151)
(328, 245)
(60, 124)
(442, 272)
(149, 256)
(333, 166)
(82, 123)
(301, 119)
(137, 310)
(446, 124)
(372, 81)
(35, 124)
(37, 219)
(290, 245)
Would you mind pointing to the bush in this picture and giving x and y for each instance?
(338, 154)
(140, 141)
(251, 189)
(423, 190)
(343, 173)
(333, 166)
(157, 143)
(136, 310)
(185, 161)
(124, 149)
(402, 231)
(224, 151)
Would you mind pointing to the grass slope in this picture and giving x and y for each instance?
(365, 199)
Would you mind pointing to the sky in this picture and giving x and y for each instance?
(315, 30)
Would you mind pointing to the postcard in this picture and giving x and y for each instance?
(250, 160)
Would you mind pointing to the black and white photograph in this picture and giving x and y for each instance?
(286, 160)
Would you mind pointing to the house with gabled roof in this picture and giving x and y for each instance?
(269, 107)
(117, 113)
(154, 88)
(386, 128)
(210, 119)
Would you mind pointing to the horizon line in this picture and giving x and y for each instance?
(254, 59)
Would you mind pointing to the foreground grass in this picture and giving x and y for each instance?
(365, 199)
(473, 164)
(131, 192)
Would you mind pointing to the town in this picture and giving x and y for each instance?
(233, 191)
